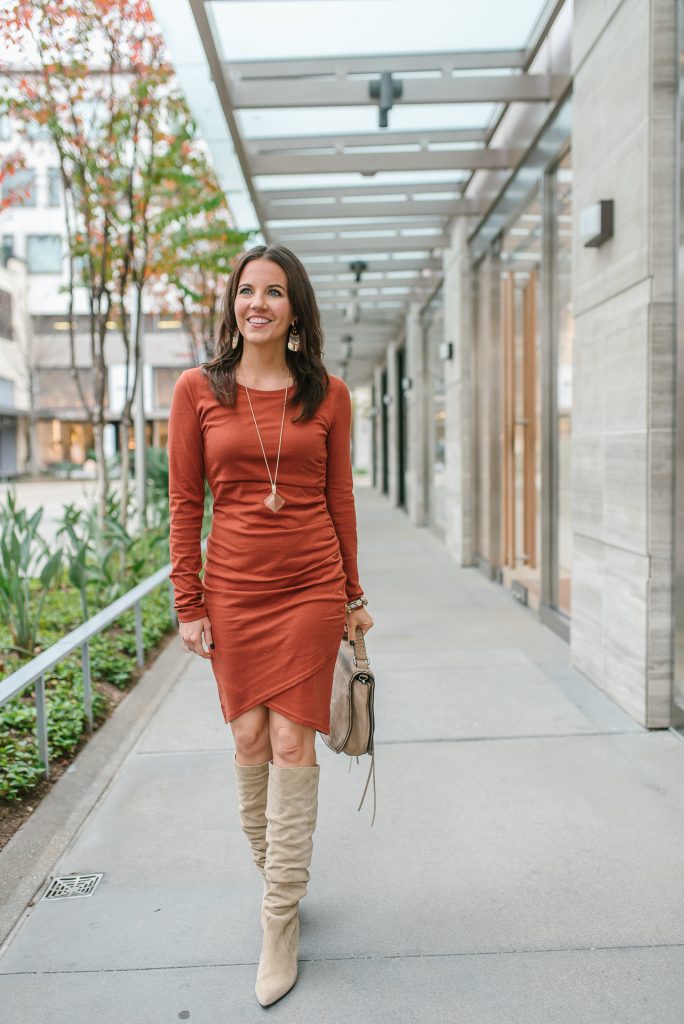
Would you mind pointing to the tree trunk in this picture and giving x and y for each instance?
(124, 434)
(31, 442)
(102, 480)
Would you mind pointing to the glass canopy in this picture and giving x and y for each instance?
(353, 130)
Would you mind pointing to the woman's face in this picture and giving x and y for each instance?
(262, 306)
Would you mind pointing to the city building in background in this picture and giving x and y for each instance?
(15, 399)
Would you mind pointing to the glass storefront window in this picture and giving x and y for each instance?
(433, 335)
(520, 262)
(64, 441)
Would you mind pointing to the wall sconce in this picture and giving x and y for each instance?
(596, 223)
(446, 351)
(406, 384)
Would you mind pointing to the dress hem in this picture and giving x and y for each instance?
(300, 721)
(263, 698)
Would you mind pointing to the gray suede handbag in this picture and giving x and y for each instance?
(352, 715)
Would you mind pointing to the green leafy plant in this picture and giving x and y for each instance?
(24, 557)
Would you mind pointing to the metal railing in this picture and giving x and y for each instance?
(34, 671)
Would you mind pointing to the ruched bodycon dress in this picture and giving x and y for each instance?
(275, 584)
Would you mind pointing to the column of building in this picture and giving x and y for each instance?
(623, 387)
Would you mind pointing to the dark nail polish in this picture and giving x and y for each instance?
(212, 646)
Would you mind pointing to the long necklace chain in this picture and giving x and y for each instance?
(273, 501)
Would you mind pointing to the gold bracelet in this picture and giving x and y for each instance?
(358, 602)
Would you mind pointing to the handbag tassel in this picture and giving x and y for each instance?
(371, 771)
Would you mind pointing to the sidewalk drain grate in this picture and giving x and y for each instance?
(71, 885)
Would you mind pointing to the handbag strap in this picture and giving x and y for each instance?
(360, 653)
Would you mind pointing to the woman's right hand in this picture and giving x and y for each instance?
(191, 634)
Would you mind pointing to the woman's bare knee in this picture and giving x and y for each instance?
(252, 736)
(291, 742)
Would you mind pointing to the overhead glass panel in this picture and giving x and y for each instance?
(258, 29)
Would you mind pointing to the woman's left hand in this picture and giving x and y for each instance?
(358, 617)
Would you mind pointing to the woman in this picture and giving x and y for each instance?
(270, 431)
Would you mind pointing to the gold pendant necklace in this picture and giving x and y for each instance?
(274, 502)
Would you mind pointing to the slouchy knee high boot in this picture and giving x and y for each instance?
(252, 786)
(291, 813)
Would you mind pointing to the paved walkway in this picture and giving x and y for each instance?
(526, 864)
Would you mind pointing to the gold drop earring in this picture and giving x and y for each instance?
(293, 341)
(235, 339)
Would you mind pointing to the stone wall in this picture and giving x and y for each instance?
(624, 353)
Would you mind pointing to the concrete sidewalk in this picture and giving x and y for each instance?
(526, 864)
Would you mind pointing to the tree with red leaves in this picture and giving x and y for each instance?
(135, 176)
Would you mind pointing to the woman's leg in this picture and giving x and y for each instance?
(293, 744)
(291, 813)
(252, 736)
(251, 761)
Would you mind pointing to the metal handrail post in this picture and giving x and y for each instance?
(139, 649)
(87, 684)
(41, 724)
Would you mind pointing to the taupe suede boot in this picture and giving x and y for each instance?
(291, 813)
(252, 785)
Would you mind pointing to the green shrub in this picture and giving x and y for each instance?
(21, 769)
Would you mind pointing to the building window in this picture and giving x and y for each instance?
(7, 249)
(165, 378)
(44, 254)
(20, 187)
(54, 186)
(6, 315)
(56, 389)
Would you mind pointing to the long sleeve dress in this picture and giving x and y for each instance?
(275, 584)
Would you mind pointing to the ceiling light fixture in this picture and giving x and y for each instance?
(385, 90)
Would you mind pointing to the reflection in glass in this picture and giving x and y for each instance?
(433, 326)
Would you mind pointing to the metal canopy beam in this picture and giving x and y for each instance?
(326, 194)
(338, 143)
(374, 224)
(217, 72)
(369, 289)
(321, 268)
(288, 92)
(463, 60)
(405, 208)
(372, 163)
(359, 246)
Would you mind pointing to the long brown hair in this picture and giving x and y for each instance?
(306, 365)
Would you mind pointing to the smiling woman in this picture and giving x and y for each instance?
(281, 566)
(262, 307)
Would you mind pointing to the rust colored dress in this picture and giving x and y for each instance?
(275, 584)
